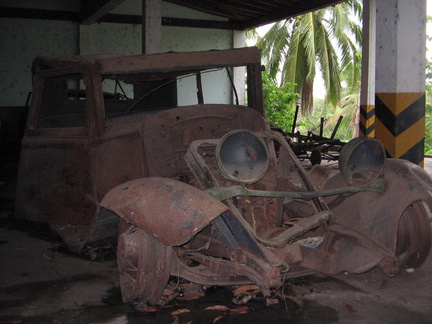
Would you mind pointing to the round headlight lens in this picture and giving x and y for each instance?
(362, 161)
(242, 156)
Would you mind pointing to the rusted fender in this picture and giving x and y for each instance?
(377, 215)
(366, 231)
(170, 210)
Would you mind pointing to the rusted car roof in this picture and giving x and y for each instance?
(153, 63)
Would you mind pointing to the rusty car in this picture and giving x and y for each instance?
(161, 152)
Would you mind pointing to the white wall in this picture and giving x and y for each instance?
(21, 40)
(123, 38)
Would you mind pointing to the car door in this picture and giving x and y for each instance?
(55, 166)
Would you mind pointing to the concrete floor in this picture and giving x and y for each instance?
(41, 282)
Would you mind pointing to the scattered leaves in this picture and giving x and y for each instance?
(167, 296)
(245, 293)
(220, 308)
(242, 299)
(180, 311)
(190, 296)
(240, 310)
(245, 289)
(272, 301)
(146, 309)
(223, 308)
(409, 270)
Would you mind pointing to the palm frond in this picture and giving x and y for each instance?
(323, 42)
(274, 46)
(347, 107)
(329, 66)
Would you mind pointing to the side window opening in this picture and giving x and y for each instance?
(63, 102)
(147, 92)
(134, 93)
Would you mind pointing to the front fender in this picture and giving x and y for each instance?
(170, 210)
(377, 215)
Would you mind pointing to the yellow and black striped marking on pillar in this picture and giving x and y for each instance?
(367, 120)
(400, 124)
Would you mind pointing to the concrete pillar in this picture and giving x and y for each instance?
(239, 40)
(400, 77)
(367, 93)
(151, 26)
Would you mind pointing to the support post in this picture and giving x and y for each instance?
(367, 92)
(400, 78)
(151, 26)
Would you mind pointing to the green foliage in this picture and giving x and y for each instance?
(428, 108)
(279, 102)
(347, 107)
(292, 41)
(299, 48)
(310, 122)
(428, 126)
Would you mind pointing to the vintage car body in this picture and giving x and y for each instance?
(205, 191)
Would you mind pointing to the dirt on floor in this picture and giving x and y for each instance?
(42, 282)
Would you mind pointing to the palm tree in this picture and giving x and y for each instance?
(347, 108)
(326, 40)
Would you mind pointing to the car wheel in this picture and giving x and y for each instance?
(413, 236)
(144, 265)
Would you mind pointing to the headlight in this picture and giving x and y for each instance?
(242, 156)
(362, 161)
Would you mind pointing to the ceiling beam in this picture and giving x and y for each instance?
(209, 7)
(98, 11)
(7, 12)
(94, 10)
(173, 22)
(299, 9)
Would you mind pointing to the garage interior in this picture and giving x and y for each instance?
(43, 282)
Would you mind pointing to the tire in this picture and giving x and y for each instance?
(144, 266)
(414, 236)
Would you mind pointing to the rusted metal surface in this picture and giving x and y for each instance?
(65, 171)
(377, 216)
(144, 265)
(92, 159)
(55, 175)
(314, 147)
(167, 135)
(244, 259)
(169, 210)
(362, 161)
